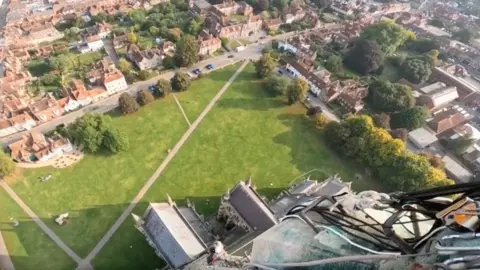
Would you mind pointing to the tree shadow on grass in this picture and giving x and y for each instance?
(250, 104)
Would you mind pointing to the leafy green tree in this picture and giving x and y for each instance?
(153, 30)
(224, 41)
(145, 97)
(297, 90)
(334, 64)
(144, 75)
(437, 23)
(194, 26)
(6, 165)
(168, 62)
(400, 133)
(115, 141)
(463, 35)
(323, 3)
(321, 120)
(416, 70)
(265, 65)
(132, 38)
(187, 51)
(276, 86)
(124, 66)
(388, 97)
(137, 16)
(49, 79)
(381, 120)
(88, 131)
(388, 35)
(313, 111)
(164, 88)
(410, 119)
(423, 45)
(128, 104)
(180, 82)
(365, 57)
(460, 144)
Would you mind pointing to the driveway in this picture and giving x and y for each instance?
(108, 45)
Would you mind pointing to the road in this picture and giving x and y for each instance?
(108, 45)
(252, 51)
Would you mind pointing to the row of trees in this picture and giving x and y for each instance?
(358, 138)
(128, 104)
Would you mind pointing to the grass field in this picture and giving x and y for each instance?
(97, 189)
(246, 133)
(28, 246)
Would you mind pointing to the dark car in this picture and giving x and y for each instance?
(231, 56)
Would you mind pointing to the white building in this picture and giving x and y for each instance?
(114, 82)
(93, 44)
(422, 137)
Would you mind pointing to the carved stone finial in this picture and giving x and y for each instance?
(226, 196)
(249, 181)
(169, 199)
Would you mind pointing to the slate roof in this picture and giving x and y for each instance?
(172, 236)
(251, 207)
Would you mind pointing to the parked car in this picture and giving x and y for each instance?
(209, 67)
(196, 71)
(231, 56)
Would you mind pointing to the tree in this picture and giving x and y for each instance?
(168, 62)
(153, 30)
(434, 160)
(313, 111)
(460, 144)
(381, 120)
(49, 79)
(388, 97)
(297, 90)
(365, 57)
(437, 23)
(400, 133)
(323, 3)
(265, 65)
(145, 97)
(144, 75)
(334, 64)
(127, 103)
(115, 141)
(224, 41)
(89, 131)
(262, 5)
(132, 38)
(194, 26)
(124, 66)
(388, 35)
(423, 45)
(410, 119)
(321, 120)
(276, 86)
(186, 53)
(6, 165)
(164, 88)
(180, 82)
(464, 35)
(416, 70)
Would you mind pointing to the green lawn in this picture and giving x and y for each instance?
(246, 133)
(29, 247)
(96, 191)
(390, 72)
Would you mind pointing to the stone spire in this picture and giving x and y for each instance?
(249, 181)
(226, 196)
(170, 201)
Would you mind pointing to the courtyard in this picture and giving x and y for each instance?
(247, 133)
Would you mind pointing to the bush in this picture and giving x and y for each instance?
(321, 121)
(127, 104)
(313, 111)
(145, 97)
(180, 82)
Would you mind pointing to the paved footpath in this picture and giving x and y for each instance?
(157, 173)
(181, 109)
(5, 261)
(40, 223)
